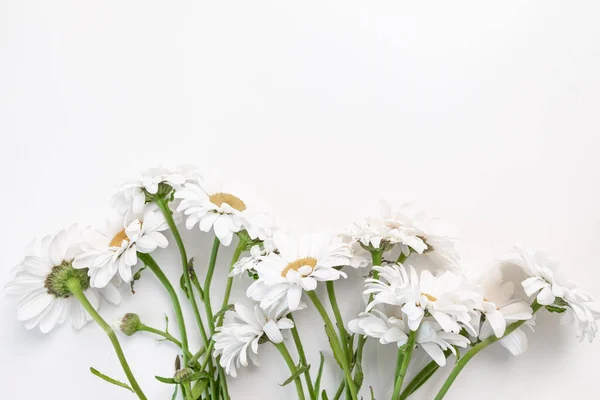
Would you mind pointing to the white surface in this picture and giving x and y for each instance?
(485, 115)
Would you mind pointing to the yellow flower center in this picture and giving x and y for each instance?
(299, 263)
(117, 240)
(429, 297)
(235, 202)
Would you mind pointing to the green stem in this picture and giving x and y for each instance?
(236, 256)
(405, 355)
(302, 357)
(335, 343)
(339, 322)
(401, 258)
(184, 262)
(376, 256)
(422, 377)
(164, 207)
(194, 359)
(188, 390)
(167, 336)
(209, 275)
(340, 390)
(149, 261)
(75, 287)
(476, 349)
(290, 363)
(209, 313)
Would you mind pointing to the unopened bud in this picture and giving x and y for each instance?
(130, 324)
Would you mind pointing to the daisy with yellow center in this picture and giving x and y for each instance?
(224, 211)
(113, 250)
(297, 266)
(445, 297)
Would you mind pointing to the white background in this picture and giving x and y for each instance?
(484, 114)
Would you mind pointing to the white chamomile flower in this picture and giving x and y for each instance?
(114, 249)
(553, 291)
(132, 195)
(378, 325)
(500, 309)
(435, 341)
(442, 297)
(297, 265)
(250, 262)
(243, 330)
(391, 327)
(41, 284)
(225, 212)
(391, 227)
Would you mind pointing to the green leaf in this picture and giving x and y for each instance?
(337, 351)
(169, 381)
(175, 393)
(358, 376)
(556, 309)
(324, 395)
(320, 373)
(559, 301)
(110, 380)
(300, 369)
(199, 388)
(372, 393)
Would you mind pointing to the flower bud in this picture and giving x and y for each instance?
(130, 324)
(183, 375)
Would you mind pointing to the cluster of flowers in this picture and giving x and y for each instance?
(416, 294)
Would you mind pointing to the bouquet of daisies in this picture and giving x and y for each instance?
(416, 295)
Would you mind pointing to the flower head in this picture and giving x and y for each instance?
(243, 330)
(446, 297)
(410, 231)
(114, 249)
(297, 265)
(41, 282)
(134, 194)
(222, 210)
(554, 292)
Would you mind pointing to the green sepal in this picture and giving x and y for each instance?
(559, 301)
(169, 381)
(221, 313)
(556, 309)
(110, 380)
(300, 369)
(324, 395)
(199, 388)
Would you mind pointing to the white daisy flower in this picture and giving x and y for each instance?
(243, 330)
(389, 328)
(225, 212)
(257, 252)
(40, 282)
(553, 291)
(114, 249)
(378, 325)
(434, 340)
(410, 231)
(132, 195)
(297, 266)
(391, 227)
(444, 297)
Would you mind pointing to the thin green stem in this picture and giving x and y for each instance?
(302, 357)
(423, 376)
(376, 256)
(476, 349)
(188, 390)
(290, 363)
(405, 355)
(339, 322)
(340, 390)
(335, 343)
(209, 313)
(75, 287)
(149, 261)
(236, 256)
(209, 275)
(184, 263)
(167, 336)
(194, 359)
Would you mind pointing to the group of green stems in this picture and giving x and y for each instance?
(209, 376)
